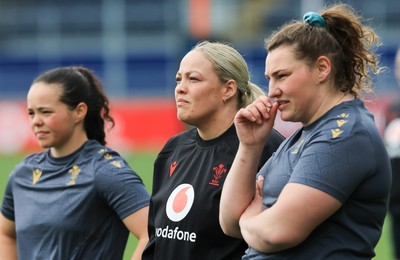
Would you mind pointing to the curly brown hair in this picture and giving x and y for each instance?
(346, 41)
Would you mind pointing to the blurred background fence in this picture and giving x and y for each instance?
(135, 47)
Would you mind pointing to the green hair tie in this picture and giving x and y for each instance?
(314, 19)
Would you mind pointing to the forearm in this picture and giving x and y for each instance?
(8, 248)
(239, 188)
(298, 210)
(137, 254)
(261, 236)
(8, 239)
(137, 225)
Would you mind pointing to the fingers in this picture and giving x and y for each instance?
(273, 111)
(260, 181)
(259, 185)
(259, 110)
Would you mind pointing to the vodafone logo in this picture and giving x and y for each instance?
(180, 202)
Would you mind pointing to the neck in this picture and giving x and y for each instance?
(71, 146)
(342, 98)
(216, 124)
(329, 103)
(214, 130)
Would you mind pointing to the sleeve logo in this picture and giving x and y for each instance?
(36, 175)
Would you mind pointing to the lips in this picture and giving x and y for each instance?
(181, 101)
(41, 134)
(282, 104)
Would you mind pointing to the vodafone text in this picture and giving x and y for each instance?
(176, 234)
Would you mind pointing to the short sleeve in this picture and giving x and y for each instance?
(121, 187)
(7, 207)
(336, 167)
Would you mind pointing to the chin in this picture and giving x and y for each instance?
(286, 117)
(184, 119)
(44, 145)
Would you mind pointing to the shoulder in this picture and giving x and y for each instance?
(357, 122)
(185, 138)
(102, 159)
(35, 158)
(189, 141)
(346, 120)
(30, 161)
(347, 127)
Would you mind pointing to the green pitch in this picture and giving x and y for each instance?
(142, 163)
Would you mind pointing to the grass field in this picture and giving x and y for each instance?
(142, 163)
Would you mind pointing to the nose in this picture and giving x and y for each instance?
(273, 90)
(36, 120)
(180, 87)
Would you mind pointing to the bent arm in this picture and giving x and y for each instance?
(137, 225)
(297, 212)
(8, 239)
(238, 190)
(253, 126)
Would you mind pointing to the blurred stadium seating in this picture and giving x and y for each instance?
(135, 45)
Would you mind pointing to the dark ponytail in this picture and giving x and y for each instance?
(79, 84)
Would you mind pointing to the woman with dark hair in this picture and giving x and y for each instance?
(324, 194)
(78, 199)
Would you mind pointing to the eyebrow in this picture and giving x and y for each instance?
(188, 73)
(40, 109)
(275, 73)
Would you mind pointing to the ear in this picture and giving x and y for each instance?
(323, 65)
(80, 112)
(230, 89)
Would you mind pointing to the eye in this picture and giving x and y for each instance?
(282, 76)
(193, 78)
